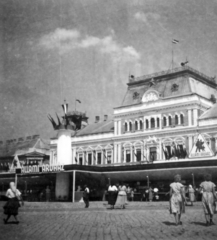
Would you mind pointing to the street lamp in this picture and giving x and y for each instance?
(25, 187)
(147, 181)
(193, 180)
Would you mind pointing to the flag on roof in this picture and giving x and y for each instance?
(175, 41)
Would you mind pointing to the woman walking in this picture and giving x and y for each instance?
(208, 198)
(177, 199)
(122, 196)
(191, 194)
(150, 194)
(112, 195)
(12, 205)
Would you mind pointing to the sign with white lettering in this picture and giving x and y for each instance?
(40, 168)
(200, 148)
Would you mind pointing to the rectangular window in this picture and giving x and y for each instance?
(80, 159)
(109, 157)
(153, 154)
(89, 158)
(138, 155)
(128, 156)
(99, 158)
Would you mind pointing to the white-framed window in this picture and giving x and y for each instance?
(109, 156)
(99, 157)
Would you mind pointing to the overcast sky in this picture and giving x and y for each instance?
(54, 50)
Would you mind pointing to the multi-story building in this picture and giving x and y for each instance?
(166, 124)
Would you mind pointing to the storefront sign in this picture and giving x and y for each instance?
(200, 148)
(41, 168)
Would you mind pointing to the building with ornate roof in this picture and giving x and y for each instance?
(166, 124)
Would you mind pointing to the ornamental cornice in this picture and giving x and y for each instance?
(160, 111)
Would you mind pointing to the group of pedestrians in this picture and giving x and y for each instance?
(178, 199)
(117, 195)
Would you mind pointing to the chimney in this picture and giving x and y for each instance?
(35, 136)
(97, 119)
(131, 78)
(29, 138)
(105, 117)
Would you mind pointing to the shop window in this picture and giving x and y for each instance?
(109, 157)
(128, 156)
(170, 120)
(152, 123)
(165, 121)
(130, 123)
(140, 124)
(138, 155)
(182, 119)
(147, 123)
(89, 158)
(125, 127)
(153, 154)
(136, 125)
(99, 158)
(176, 120)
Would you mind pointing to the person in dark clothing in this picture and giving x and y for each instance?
(12, 205)
(86, 196)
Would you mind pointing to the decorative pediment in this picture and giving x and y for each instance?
(150, 95)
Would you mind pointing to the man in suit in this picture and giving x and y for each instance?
(86, 196)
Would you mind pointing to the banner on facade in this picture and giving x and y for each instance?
(200, 148)
(38, 168)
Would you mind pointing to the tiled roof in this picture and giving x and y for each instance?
(170, 84)
(164, 88)
(97, 128)
(11, 148)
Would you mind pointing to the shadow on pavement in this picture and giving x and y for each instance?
(169, 223)
(12, 222)
(199, 223)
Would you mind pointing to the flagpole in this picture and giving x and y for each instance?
(15, 178)
(172, 55)
(75, 104)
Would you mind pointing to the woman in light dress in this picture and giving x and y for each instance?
(122, 196)
(208, 198)
(177, 199)
(12, 205)
(191, 194)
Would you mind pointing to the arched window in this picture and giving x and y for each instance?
(152, 123)
(147, 123)
(125, 126)
(130, 124)
(176, 120)
(165, 121)
(170, 120)
(140, 124)
(182, 119)
(158, 122)
(136, 125)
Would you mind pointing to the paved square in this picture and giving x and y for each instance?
(64, 221)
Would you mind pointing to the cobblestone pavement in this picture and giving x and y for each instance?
(64, 221)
